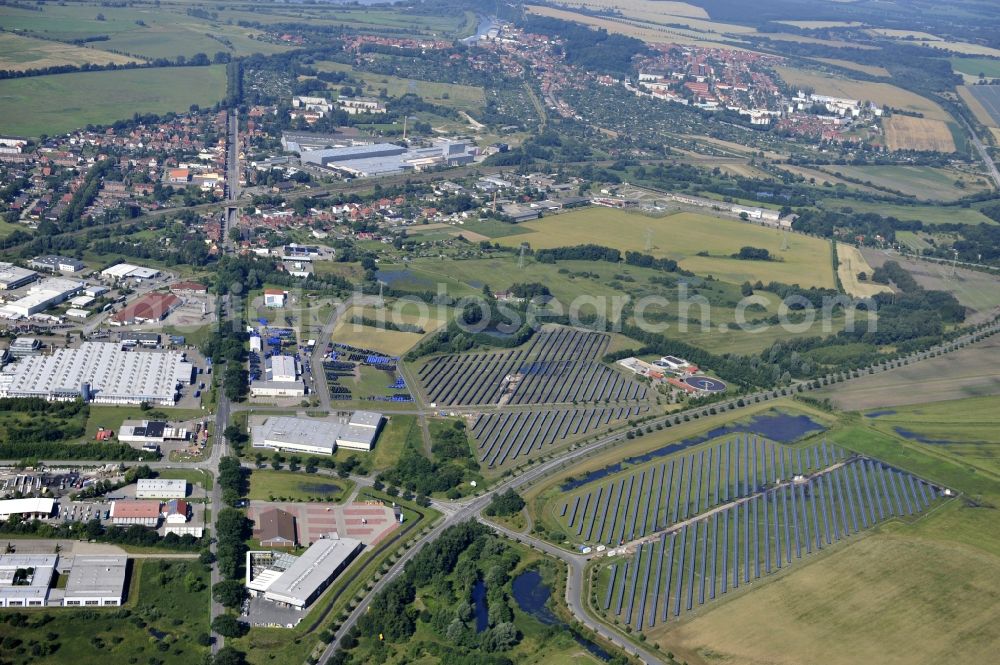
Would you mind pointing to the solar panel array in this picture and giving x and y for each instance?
(504, 437)
(702, 559)
(654, 497)
(557, 366)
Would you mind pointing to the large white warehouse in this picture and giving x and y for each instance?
(98, 372)
(312, 435)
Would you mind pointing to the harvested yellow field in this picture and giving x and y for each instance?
(379, 338)
(850, 262)
(906, 133)
(18, 53)
(640, 7)
(856, 66)
(962, 47)
(820, 25)
(882, 94)
(978, 110)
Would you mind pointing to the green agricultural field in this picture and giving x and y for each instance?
(912, 241)
(963, 428)
(392, 440)
(681, 236)
(266, 485)
(923, 182)
(461, 97)
(167, 598)
(925, 213)
(64, 102)
(976, 66)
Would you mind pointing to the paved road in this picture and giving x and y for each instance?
(983, 152)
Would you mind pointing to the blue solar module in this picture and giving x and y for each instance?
(806, 533)
(572, 515)
(680, 570)
(614, 516)
(715, 553)
(784, 516)
(795, 526)
(691, 565)
(702, 562)
(677, 496)
(697, 489)
(718, 473)
(669, 577)
(654, 525)
(878, 499)
(777, 531)
(815, 519)
(666, 499)
(690, 486)
(725, 550)
(756, 537)
(826, 514)
(633, 514)
(897, 480)
(844, 483)
(583, 517)
(657, 578)
(862, 506)
(767, 540)
(563, 513)
(593, 513)
(621, 589)
(725, 472)
(637, 562)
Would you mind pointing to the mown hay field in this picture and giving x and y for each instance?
(682, 236)
(850, 263)
(907, 133)
(19, 53)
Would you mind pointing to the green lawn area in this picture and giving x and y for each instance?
(392, 440)
(267, 485)
(193, 476)
(681, 236)
(63, 102)
(111, 417)
(452, 95)
(493, 228)
(160, 601)
(22, 53)
(195, 337)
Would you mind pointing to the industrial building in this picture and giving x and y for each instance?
(150, 308)
(96, 581)
(388, 158)
(275, 297)
(122, 271)
(280, 379)
(176, 511)
(41, 296)
(99, 372)
(160, 488)
(135, 338)
(25, 579)
(318, 436)
(147, 432)
(296, 582)
(14, 277)
(22, 347)
(55, 263)
(28, 509)
(127, 512)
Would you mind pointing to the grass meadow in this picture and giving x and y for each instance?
(19, 53)
(682, 236)
(64, 102)
(928, 214)
(267, 485)
(453, 95)
(924, 182)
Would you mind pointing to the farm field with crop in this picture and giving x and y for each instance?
(977, 108)
(988, 97)
(907, 133)
(19, 53)
(880, 93)
(63, 102)
(928, 214)
(976, 66)
(682, 236)
(968, 372)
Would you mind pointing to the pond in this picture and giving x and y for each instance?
(774, 425)
(919, 438)
(403, 278)
(532, 596)
(479, 603)
(879, 414)
(319, 488)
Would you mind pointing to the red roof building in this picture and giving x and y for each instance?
(150, 308)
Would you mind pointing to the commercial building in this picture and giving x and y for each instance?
(387, 158)
(150, 308)
(297, 581)
(122, 271)
(160, 488)
(25, 579)
(176, 511)
(276, 528)
(99, 372)
(41, 296)
(28, 509)
(318, 436)
(126, 512)
(14, 277)
(23, 347)
(55, 263)
(189, 289)
(96, 581)
(150, 431)
(275, 297)
(136, 338)
(358, 105)
(280, 379)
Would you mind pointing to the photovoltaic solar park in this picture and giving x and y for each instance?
(701, 525)
(560, 366)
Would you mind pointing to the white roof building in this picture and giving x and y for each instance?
(29, 590)
(96, 581)
(129, 271)
(41, 296)
(160, 488)
(98, 372)
(13, 277)
(28, 508)
(298, 581)
(318, 436)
